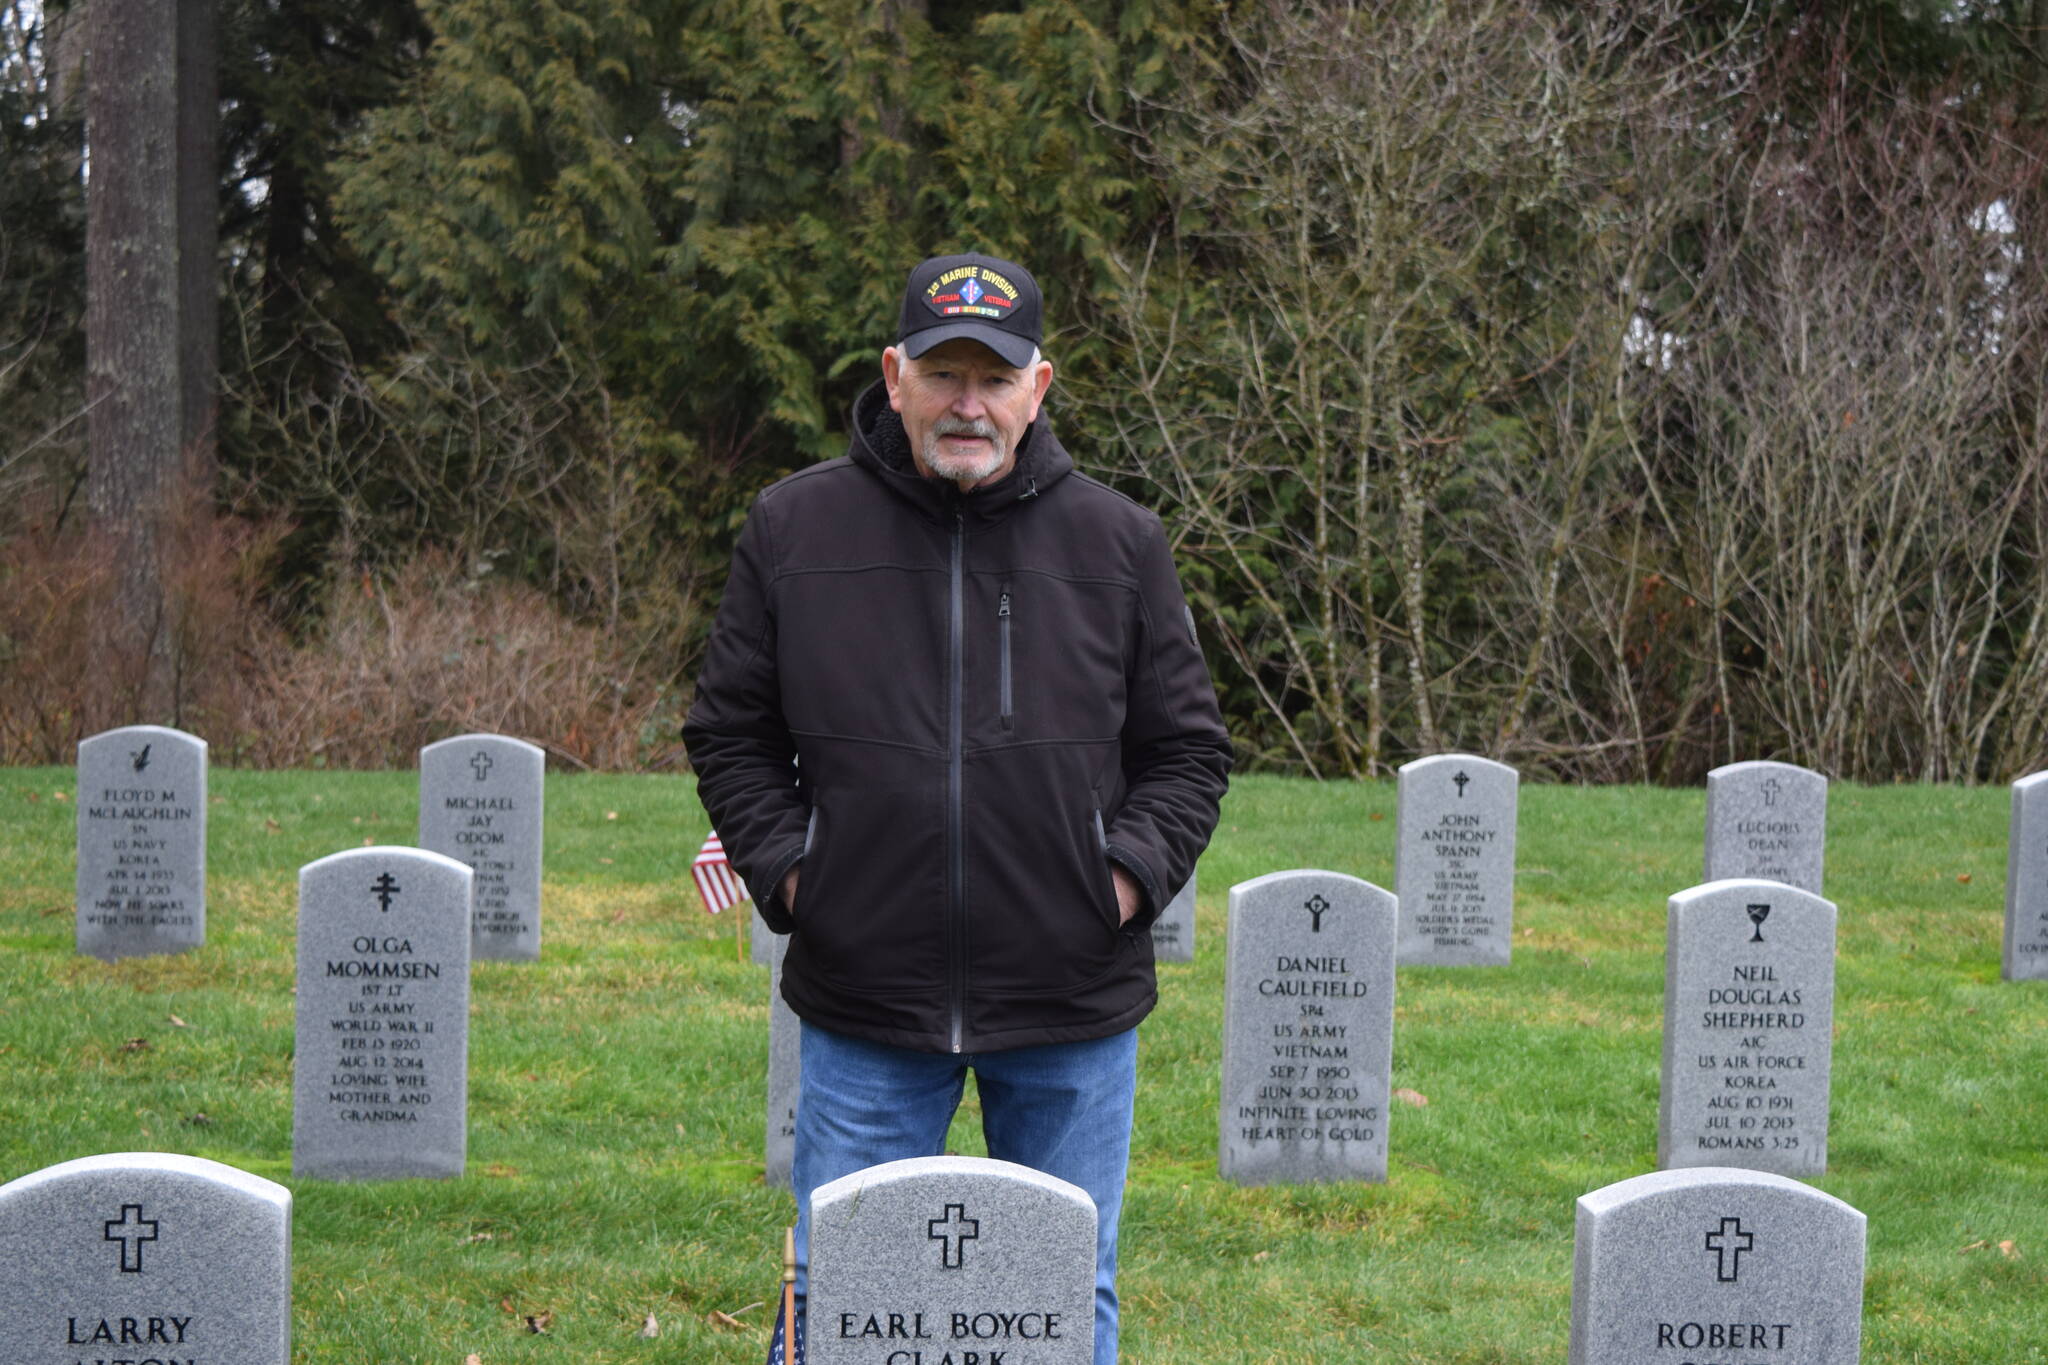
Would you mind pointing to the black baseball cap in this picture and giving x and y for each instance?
(993, 301)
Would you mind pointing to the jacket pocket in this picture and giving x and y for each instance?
(870, 902)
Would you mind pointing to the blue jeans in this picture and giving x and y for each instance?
(1062, 1108)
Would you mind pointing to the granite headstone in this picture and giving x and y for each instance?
(951, 1258)
(381, 1069)
(1454, 861)
(1716, 1265)
(1173, 933)
(481, 803)
(1308, 1030)
(2026, 882)
(1749, 995)
(141, 842)
(764, 945)
(785, 1074)
(1767, 820)
(145, 1257)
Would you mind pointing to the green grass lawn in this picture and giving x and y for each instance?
(617, 1087)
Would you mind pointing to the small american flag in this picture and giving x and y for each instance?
(717, 883)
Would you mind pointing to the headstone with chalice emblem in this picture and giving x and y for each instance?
(381, 1066)
(145, 1256)
(1308, 1030)
(1749, 1009)
(951, 1258)
(1713, 1265)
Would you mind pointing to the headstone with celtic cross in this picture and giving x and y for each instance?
(1454, 861)
(1173, 933)
(951, 1258)
(1749, 1007)
(1767, 820)
(481, 803)
(381, 1065)
(1308, 1030)
(1716, 1264)
(141, 842)
(145, 1256)
(2026, 882)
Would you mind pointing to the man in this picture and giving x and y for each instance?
(1007, 758)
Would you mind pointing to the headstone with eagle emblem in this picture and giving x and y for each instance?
(141, 842)
(1308, 1030)
(381, 1065)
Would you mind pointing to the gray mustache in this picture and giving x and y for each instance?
(956, 426)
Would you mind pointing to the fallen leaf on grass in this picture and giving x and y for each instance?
(538, 1323)
(650, 1328)
(59, 796)
(606, 861)
(611, 815)
(1962, 876)
(472, 1359)
(33, 797)
(1377, 816)
(1260, 1255)
(505, 1305)
(500, 1170)
(2008, 1250)
(271, 825)
(367, 841)
(175, 1021)
(1412, 1097)
(136, 1045)
(475, 1237)
(717, 1319)
(618, 917)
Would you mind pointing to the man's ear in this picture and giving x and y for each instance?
(892, 376)
(1041, 384)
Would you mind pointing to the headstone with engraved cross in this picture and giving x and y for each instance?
(141, 842)
(1767, 820)
(145, 1256)
(1716, 1264)
(381, 1066)
(951, 1258)
(1308, 1030)
(2026, 882)
(1749, 996)
(481, 803)
(1454, 861)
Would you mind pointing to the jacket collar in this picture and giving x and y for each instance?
(880, 446)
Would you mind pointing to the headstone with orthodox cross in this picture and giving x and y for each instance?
(1716, 1264)
(141, 842)
(145, 1256)
(1173, 933)
(951, 1258)
(1308, 1030)
(1454, 861)
(381, 1066)
(1749, 995)
(2026, 882)
(785, 1075)
(481, 800)
(1767, 820)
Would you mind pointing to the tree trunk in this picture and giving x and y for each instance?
(151, 317)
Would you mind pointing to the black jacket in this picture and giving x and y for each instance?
(992, 695)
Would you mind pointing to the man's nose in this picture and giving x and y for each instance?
(969, 401)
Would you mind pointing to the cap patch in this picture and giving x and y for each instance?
(971, 291)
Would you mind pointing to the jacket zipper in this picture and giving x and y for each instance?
(1003, 621)
(956, 834)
